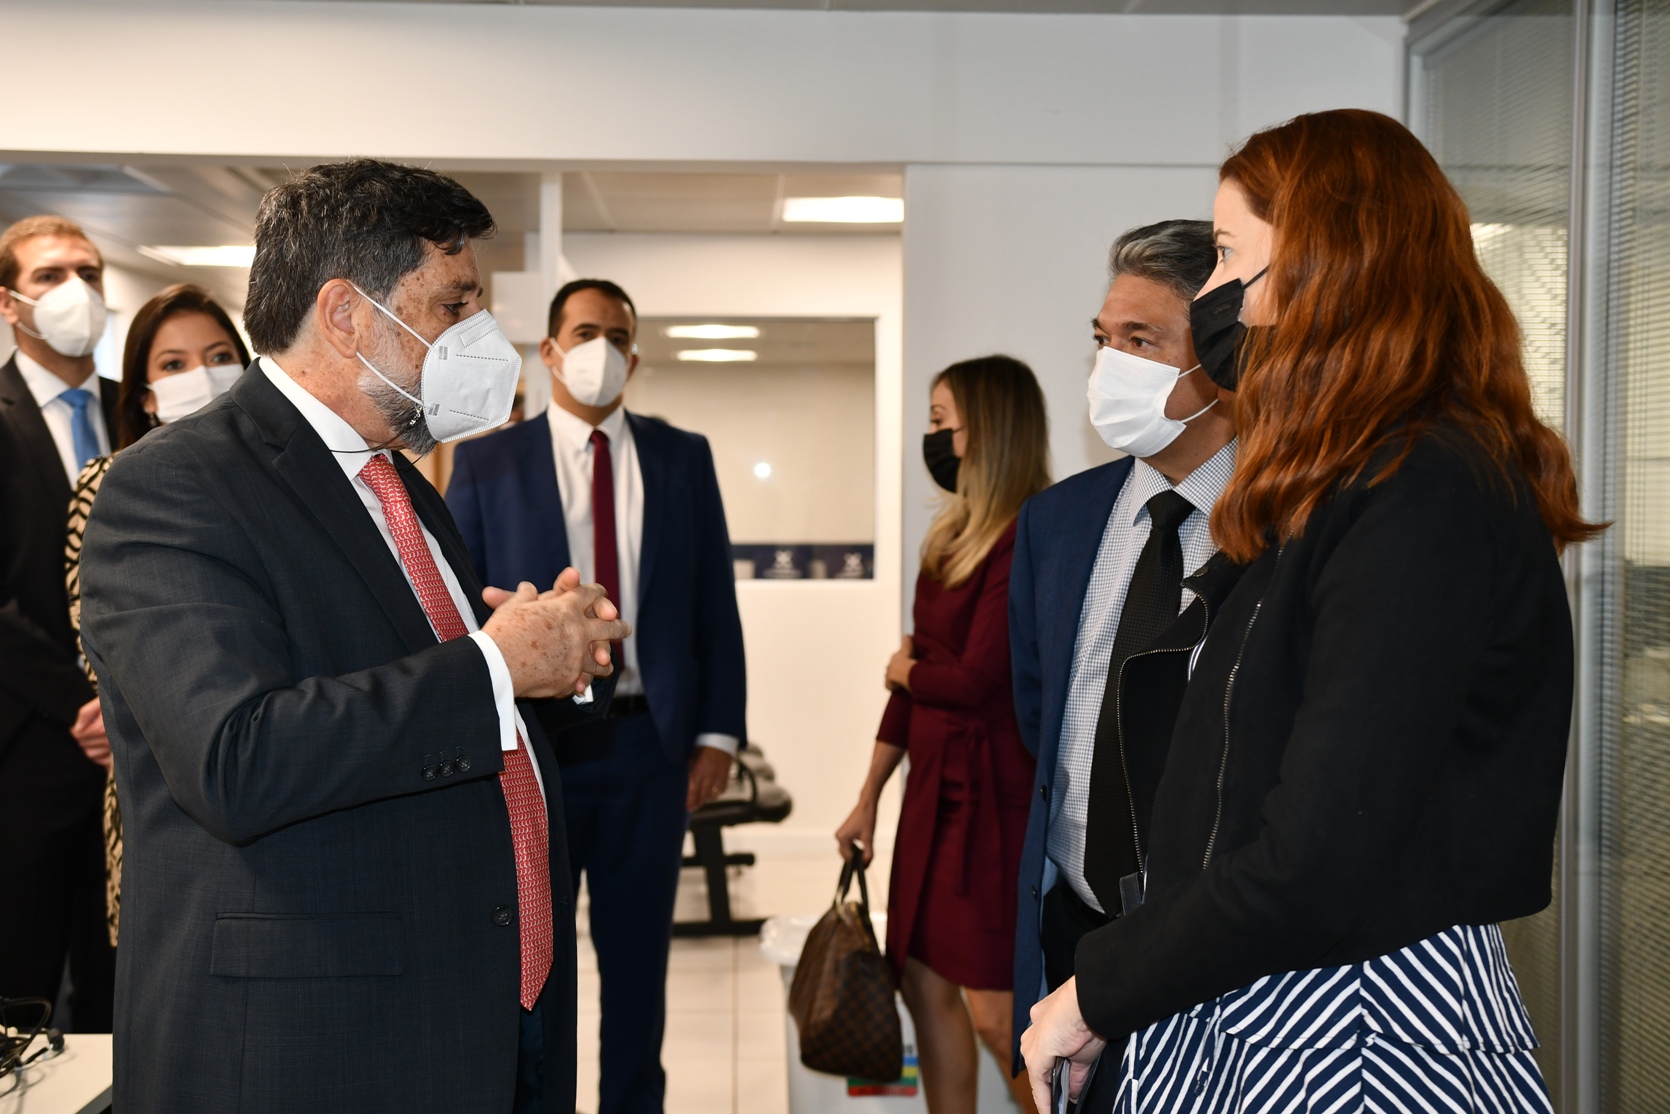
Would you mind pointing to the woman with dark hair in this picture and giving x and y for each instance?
(1365, 769)
(950, 919)
(182, 353)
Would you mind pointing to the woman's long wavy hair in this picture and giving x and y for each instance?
(1005, 463)
(1385, 324)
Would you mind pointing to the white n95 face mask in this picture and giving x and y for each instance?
(186, 392)
(594, 372)
(1127, 396)
(469, 375)
(70, 317)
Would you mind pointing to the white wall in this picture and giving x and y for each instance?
(528, 83)
(816, 649)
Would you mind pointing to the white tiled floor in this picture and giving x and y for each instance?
(724, 1050)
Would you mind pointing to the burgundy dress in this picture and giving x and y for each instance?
(951, 904)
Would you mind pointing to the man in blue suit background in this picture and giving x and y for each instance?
(1099, 563)
(633, 503)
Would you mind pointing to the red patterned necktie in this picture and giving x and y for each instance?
(605, 553)
(521, 789)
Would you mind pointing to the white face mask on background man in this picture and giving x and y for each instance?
(594, 372)
(186, 392)
(469, 375)
(70, 317)
(1127, 396)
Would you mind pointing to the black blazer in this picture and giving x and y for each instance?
(40, 674)
(1370, 750)
(311, 911)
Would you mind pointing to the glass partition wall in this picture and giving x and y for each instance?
(1553, 119)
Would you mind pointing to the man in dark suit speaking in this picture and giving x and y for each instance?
(346, 881)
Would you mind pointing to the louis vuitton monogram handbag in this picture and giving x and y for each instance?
(842, 995)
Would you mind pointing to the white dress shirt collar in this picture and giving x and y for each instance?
(46, 386)
(1200, 487)
(575, 432)
(343, 440)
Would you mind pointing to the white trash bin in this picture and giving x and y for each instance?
(813, 1092)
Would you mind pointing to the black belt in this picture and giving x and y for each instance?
(623, 706)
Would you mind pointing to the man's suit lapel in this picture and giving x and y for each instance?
(307, 467)
(535, 461)
(18, 407)
(1080, 539)
(652, 467)
(1076, 538)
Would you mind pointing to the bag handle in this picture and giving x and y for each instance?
(854, 867)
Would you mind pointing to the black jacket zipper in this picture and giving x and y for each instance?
(1229, 692)
(1119, 719)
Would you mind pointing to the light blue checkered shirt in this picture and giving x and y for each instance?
(1116, 560)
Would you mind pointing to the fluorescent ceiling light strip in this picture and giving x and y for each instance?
(220, 255)
(844, 210)
(711, 332)
(718, 355)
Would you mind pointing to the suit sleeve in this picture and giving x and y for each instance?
(1023, 637)
(464, 501)
(1401, 619)
(40, 677)
(179, 620)
(981, 674)
(722, 689)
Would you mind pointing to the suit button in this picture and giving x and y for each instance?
(463, 763)
(1044, 792)
(1034, 893)
(431, 772)
(446, 769)
(503, 915)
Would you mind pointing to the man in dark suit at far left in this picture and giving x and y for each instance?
(55, 415)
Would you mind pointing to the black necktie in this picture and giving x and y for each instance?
(1110, 843)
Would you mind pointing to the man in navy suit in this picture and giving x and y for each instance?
(633, 503)
(1099, 565)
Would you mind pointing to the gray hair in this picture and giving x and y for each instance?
(1176, 253)
(361, 220)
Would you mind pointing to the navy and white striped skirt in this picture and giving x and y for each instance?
(1438, 1026)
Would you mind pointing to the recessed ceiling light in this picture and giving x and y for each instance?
(711, 332)
(718, 355)
(222, 255)
(762, 471)
(844, 210)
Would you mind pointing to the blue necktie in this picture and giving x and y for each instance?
(81, 426)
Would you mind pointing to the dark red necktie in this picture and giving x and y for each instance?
(605, 554)
(528, 836)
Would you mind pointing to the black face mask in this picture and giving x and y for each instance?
(941, 459)
(1220, 338)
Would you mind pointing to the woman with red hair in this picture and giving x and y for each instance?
(1365, 769)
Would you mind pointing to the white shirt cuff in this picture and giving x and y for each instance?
(504, 691)
(730, 744)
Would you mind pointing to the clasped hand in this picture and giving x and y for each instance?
(1058, 1031)
(554, 642)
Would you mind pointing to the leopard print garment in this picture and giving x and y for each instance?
(81, 504)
